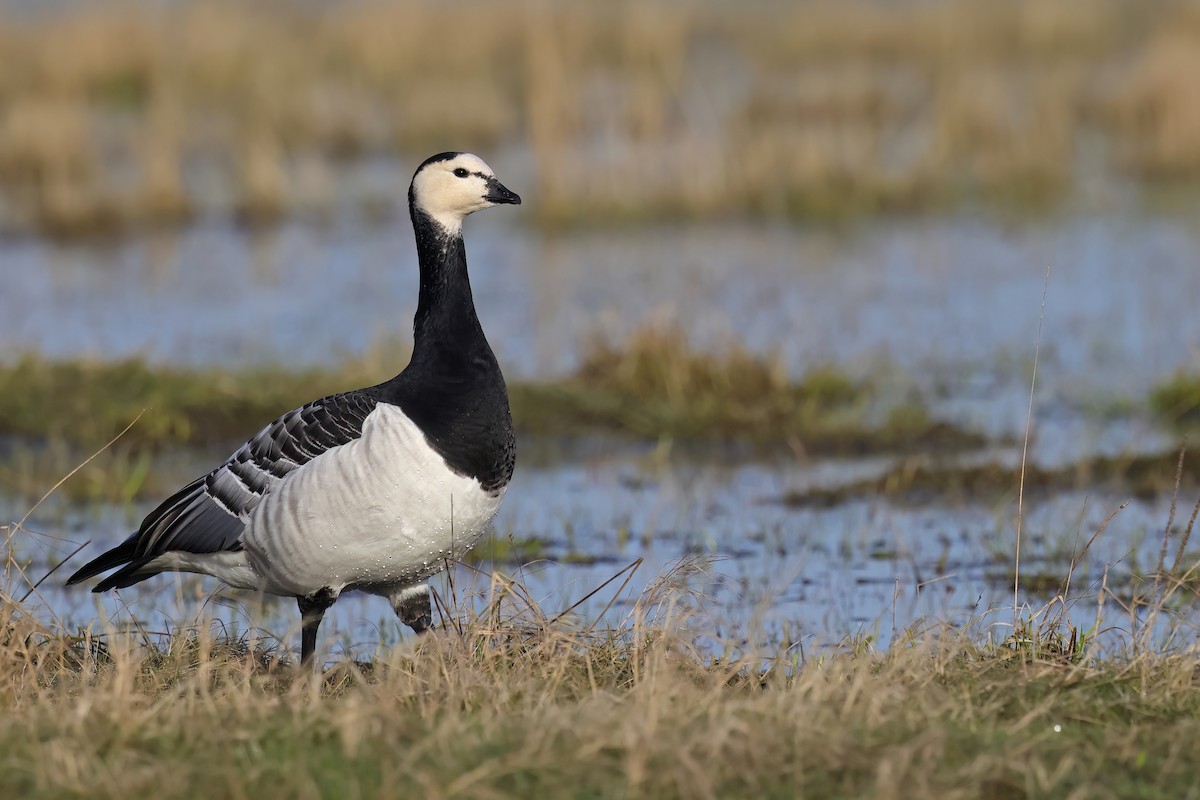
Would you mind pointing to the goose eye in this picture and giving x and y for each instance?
(462, 173)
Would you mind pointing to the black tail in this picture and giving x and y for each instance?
(118, 556)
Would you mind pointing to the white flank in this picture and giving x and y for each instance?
(230, 567)
(381, 511)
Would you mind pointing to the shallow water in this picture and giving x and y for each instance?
(773, 574)
(952, 304)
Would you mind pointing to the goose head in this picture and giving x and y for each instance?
(449, 186)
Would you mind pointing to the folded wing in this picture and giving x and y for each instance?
(209, 514)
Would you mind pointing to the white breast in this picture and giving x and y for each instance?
(384, 509)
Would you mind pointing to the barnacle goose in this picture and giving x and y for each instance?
(371, 489)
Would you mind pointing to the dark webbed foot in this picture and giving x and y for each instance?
(413, 607)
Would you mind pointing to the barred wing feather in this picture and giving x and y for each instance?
(209, 514)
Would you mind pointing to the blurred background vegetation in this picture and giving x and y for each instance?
(120, 116)
(776, 279)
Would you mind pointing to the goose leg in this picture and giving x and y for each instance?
(413, 607)
(312, 611)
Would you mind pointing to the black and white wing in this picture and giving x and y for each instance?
(209, 514)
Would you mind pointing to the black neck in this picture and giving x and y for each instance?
(452, 389)
(445, 307)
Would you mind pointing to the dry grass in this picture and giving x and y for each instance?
(508, 702)
(1154, 109)
(141, 114)
(507, 699)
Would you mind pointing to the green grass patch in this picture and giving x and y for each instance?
(124, 472)
(654, 386)
(919, 481)
(87, 402)
(1177, 399)
(496, 549)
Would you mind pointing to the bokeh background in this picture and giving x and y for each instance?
(128, 116)
(773, 296)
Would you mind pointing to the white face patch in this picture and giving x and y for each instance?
(449, 190)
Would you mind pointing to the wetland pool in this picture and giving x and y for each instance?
(947, 308)
(771, 573)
